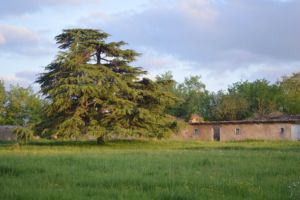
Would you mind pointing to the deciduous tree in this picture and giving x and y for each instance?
(23, 106)
(290, 86)
(2, 102)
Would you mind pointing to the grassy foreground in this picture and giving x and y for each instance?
(150, 170)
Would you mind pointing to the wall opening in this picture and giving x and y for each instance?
(295, 132)
(237, 131)
(217, 133)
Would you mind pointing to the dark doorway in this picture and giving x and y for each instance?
(216, 133)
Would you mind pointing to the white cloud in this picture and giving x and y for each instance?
(199, 11)
(2, 39)
(157, 63)
(22, 78)
(256, 29)
(14, 33)
(21, 7)
(27, 75)
(20, 40)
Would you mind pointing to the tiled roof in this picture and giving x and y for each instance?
(278, 119)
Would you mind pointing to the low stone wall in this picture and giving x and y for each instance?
(255, 131)
(6, 133)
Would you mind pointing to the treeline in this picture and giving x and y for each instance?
(242, 100)
(22, 106)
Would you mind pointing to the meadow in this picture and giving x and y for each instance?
(141, 169)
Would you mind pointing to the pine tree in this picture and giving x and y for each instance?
(92, 89)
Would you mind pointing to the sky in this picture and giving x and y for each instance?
(223, 41)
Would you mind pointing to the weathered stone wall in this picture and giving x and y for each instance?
(256, 132)
(204, 132)
(253, 131)
(6, 133)
(295, 134)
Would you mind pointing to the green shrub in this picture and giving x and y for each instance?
(24, 134)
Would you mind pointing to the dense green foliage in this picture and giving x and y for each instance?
(2, 102)
(150, 170)
(23, 106)
(92, 89)
(242, 100)
(19, 106)
(191, 96)
(24, 134)
(291, 89)
(249, 99)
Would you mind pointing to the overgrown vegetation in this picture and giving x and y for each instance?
(24, 134)
(150, 170)
(242, 100)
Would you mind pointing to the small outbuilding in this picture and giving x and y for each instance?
(276, 128)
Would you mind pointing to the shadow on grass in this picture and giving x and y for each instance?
(66, 143)
(250, 145)
(253, 145)
(6, 143)
(61, 143)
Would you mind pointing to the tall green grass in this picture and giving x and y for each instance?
(150, 170)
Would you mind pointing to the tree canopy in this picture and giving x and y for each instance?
(242, 100)
(290, 86)
(92, 89)
(2, 102)
(19, 106)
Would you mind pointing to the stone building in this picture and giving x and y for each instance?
(7, 134)
(277, 128)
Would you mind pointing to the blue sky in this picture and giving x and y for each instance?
(224, 41)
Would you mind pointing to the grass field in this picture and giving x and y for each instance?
(150, 170)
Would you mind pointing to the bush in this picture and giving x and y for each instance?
(24, 134)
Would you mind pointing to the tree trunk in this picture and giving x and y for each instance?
(100, 140)
(98, 57)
